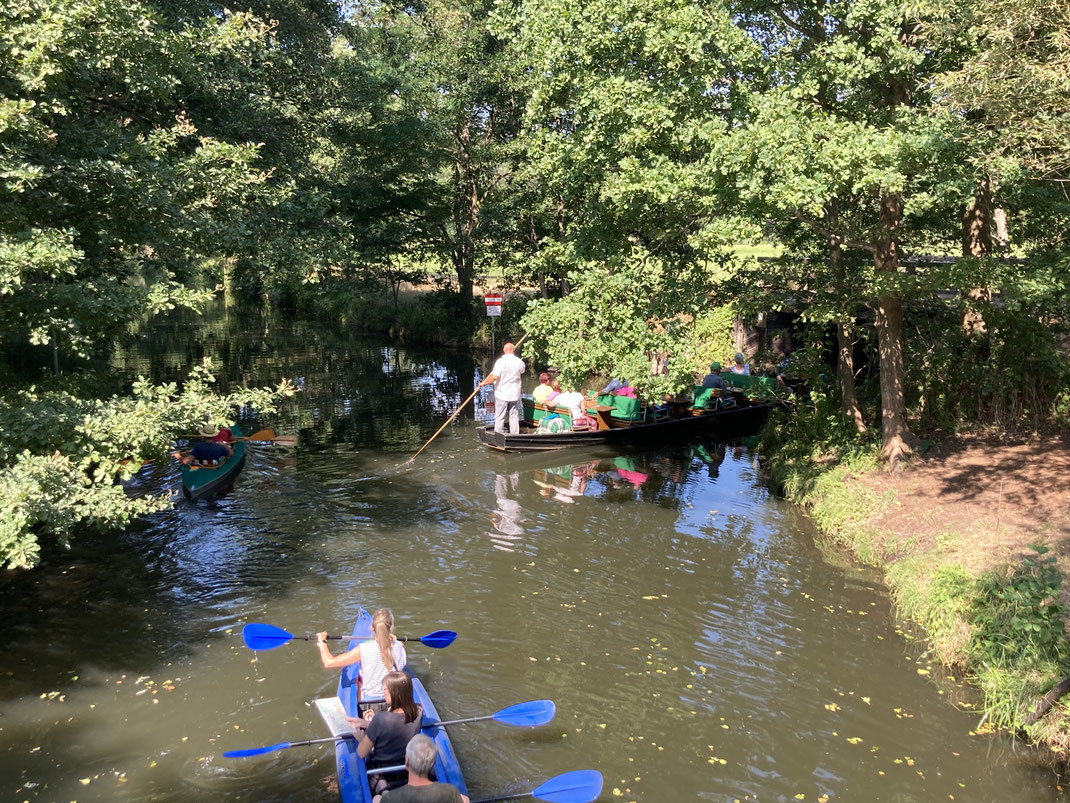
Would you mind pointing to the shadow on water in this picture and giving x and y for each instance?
(698, 644)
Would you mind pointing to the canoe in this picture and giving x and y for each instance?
(198, 481)
(352, 774)
(735, 422)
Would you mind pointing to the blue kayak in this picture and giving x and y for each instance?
(352, 774)
(198, 481)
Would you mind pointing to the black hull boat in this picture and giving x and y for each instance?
(727, 424)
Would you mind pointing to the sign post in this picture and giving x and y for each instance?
(494, 310)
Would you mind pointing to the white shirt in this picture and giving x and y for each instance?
(508, 369)
(374, 671)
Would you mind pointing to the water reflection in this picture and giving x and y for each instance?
(698, 645)
(508, 514)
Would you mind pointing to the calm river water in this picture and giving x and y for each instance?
(698, 643)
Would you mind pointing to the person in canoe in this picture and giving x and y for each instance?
(420, 755)
(389, 732)
(378, 657)
(210, 450)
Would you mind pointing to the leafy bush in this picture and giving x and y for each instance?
(61, 454)
(1018, 618)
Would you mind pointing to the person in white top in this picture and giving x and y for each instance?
(506, 375)
(740, 366)
(377, 658)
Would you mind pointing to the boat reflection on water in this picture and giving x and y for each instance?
(647, 475)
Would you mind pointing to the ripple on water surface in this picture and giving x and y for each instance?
(697, 645)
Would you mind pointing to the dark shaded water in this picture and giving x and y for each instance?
(698, 643)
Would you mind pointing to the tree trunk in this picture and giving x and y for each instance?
(977, 242)
(1003, 237)
(845, 365)
(897, 439)
(560, 217)
(540, 273)
(466, 203)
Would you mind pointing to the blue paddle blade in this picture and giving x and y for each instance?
(439, 639)
(264, 637)
(580, 786)
(535, 712)
(255, 751)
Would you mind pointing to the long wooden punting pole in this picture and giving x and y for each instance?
(455, 412)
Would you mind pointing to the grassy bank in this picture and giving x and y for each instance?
(993, 610)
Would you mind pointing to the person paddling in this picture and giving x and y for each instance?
(420, 755)
(209, 451)
(378, 657)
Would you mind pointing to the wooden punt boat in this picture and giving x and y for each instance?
(735, 422)
(352, 772)
(199, 481)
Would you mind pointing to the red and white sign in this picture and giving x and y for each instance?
(494, 304)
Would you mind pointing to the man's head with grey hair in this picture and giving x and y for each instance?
(420, 755)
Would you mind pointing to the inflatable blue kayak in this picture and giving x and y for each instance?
(352, 773)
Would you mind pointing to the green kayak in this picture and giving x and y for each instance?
(198, 481)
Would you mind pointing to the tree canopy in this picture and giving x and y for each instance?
(621, 161)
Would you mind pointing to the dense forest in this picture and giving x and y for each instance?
(618, 164)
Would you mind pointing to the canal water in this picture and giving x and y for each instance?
(697, 640)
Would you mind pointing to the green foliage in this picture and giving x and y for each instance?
(1018, 619)
(61, 454)
(620, 315)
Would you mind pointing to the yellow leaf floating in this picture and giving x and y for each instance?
(83, 781)
(649, 596)
(800, 796)
(854, 739)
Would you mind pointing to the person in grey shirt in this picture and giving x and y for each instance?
(420, 760)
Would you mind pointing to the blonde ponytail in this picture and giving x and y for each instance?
(383, 629)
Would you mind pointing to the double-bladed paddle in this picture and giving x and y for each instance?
(578, 786)
(529, 714)
(269, 435)
(267, 637)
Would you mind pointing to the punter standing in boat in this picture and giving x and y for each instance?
(506, 375)
(377, 658)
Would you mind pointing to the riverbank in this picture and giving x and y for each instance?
(956, 533)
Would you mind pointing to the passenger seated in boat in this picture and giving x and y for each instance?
(713, 378)
(208, 451)
(378, 657)
(543, 390)
(569, 398)
(389, 732)
(420, 755)
(619, 387)
(740, 366)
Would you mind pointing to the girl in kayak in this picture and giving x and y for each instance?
(381, 655)
(389, 732)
